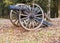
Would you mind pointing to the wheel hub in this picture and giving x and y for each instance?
(31, 16)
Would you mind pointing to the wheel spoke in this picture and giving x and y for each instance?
(15, 20)
(33, 23)
(29, 8)
(25, 12)
(38, 15)
(32, 8)
(36, 9)
(18, 23)
(23, 19)
(27, 22)
(29, 25)
(36, 22)
(14, 12)
(23, 15)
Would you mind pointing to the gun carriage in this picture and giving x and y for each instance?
(30, 17)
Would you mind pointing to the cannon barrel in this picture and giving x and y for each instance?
(14, 7)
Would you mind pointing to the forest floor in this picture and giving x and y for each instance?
(12, 34)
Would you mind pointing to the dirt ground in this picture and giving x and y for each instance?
(12, 34)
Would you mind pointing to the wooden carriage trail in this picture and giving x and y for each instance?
(12, 34)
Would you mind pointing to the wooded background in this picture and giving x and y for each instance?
(4, 4)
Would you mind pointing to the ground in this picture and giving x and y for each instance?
(13, 34)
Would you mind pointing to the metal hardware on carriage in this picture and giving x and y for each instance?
(31, 18)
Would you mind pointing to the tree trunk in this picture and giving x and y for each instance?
(54, 9)
(59, 8)
(2, 7)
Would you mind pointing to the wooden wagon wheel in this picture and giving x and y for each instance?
(14, 16)
(28, 19)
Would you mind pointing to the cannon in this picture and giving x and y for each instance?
(30, 17)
